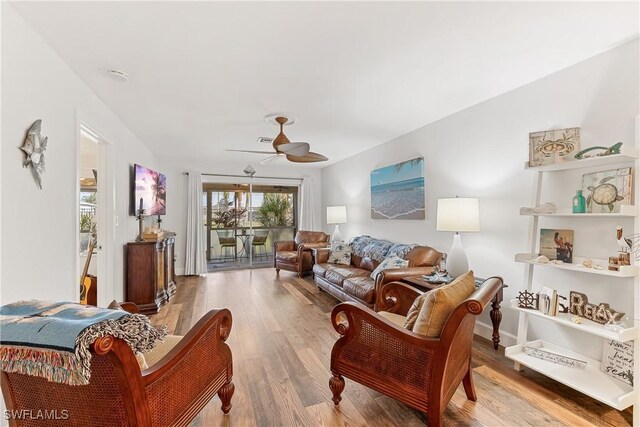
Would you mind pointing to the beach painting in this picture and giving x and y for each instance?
(397, 191)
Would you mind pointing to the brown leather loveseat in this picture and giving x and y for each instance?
(353, 282)
(295, 255)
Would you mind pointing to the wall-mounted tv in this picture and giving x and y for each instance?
(150, 187)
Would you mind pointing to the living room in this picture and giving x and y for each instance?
(462, 86)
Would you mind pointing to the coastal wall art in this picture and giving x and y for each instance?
(606, 191)
(397, 191)
(553, 146)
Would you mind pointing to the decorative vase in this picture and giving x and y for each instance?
(579, 204)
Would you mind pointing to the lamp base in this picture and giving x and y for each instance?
(457, 263)
(336, 236)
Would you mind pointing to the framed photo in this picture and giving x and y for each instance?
(553, 146)
(557, 244)
(397, 191)
(606, 191)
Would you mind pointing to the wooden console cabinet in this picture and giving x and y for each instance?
(151, 278)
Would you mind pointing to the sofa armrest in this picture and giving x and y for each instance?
(321, 255)
(395, 274)
(284, 245)
(314, 245)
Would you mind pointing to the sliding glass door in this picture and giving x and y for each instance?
(241, 226)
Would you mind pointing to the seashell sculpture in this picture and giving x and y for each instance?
(542, 259)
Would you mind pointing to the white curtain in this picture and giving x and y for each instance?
(196, 245)
(308, 207)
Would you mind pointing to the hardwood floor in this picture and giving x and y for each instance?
(281, 341)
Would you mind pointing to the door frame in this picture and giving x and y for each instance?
(105, 212)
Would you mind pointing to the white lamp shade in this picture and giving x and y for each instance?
(336, 214)
(458, 214)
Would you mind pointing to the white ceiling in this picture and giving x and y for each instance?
(204, 74)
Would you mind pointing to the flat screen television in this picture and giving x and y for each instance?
(150, 190)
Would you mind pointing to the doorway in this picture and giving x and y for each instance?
(241, 225)
(95, 218)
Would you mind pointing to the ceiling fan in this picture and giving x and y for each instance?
(297, 152)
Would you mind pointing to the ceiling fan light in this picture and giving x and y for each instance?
(295, 148)
(310, 157)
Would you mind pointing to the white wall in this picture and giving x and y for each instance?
(39, 226)
(176, 218)
(480, 152)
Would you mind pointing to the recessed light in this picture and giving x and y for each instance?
(118, 75)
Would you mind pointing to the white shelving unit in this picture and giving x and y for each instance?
(624, 271)
(626, 211)
(590, 381)
(588, 326)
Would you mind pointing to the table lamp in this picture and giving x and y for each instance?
(459, 215)
(336, 215)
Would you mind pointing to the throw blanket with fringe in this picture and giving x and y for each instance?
(51, 339)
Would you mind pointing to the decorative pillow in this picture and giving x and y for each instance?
(412, 314)
(388, 263)
(340, 253)
(440, 303)
(142, 361)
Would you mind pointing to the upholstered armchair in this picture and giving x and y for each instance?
(422, 372)
(187, 373)
(295, 255)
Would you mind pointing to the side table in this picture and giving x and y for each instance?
(495, 313)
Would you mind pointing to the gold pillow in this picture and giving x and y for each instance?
(440, 303)
(413, 312)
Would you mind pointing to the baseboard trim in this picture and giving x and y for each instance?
(486, 331)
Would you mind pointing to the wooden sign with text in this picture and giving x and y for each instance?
(617, 360)
(601, 313)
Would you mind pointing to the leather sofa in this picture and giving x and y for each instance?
(295, 255)
(353, 282)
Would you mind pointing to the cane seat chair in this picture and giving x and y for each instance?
(377, 351)
(170, 392)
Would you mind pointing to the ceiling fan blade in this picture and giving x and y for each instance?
(251, 151)
(294, 148)
(310, 157)
(270, 159)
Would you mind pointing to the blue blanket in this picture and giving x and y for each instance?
(52, 339)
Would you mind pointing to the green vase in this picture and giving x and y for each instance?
(579, 204)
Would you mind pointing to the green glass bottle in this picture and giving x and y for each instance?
(579, 204)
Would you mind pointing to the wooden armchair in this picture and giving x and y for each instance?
(171, 392)
(419, 371)
(295, 255)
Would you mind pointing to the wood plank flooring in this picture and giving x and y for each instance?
(281, 341)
